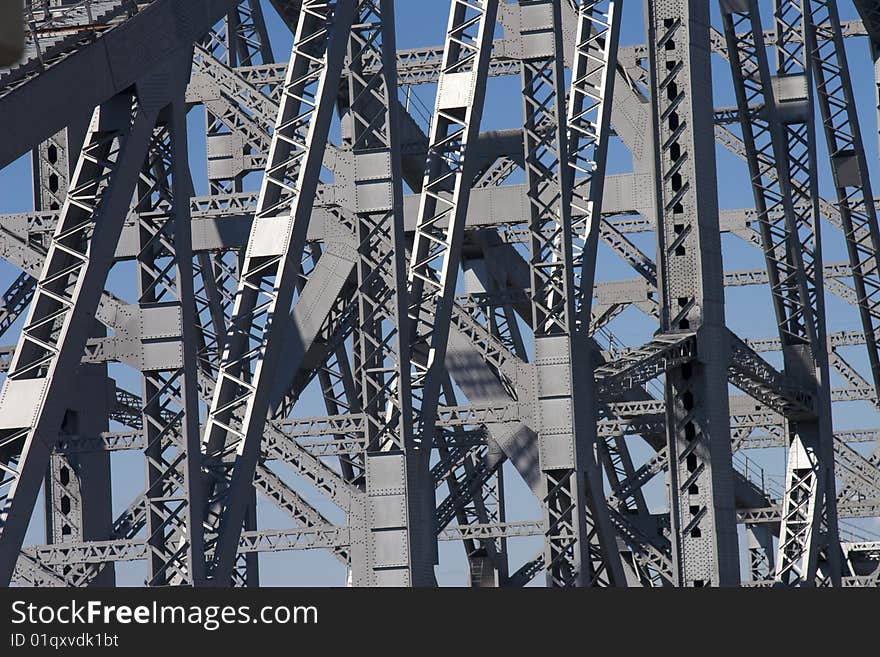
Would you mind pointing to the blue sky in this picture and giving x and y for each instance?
(749, 313)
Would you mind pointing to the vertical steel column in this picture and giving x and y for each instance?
(772, 138)
(849, 167)
(237, 416)
(588, 117)
(766, 155)
(704, 539)
(77, 486)
(766, 151)
(247, 35)
(169, 366)
(243, 41)
(246, 44)
(443, 202)
(394, 548)
(809, 516)
(246, 572)
(32, 401)
(477, 495)
(483, 276)
(580, 543)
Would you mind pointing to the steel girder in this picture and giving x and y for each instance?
(394, 546)
(77, 487)
(241, 38)
(810, 517)
(483, 338)
(780, 167)
(241, 396)
(444, 200)
(436, 252)
(95, 66)
(60, 316)
(169, 392)
(565, 150)
(689, 251)
(849, 167)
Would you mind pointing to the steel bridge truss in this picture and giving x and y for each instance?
(439, 288)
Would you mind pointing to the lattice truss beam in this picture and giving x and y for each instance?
(440, 287)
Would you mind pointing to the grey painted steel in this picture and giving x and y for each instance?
(346, 287)
(436, 251)
(169, 390)
(241, 397)
(394, 548)
(103, 68)
(689, 253)
(580, 548)
(809, 514)
(77, 263)
(77, 487)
